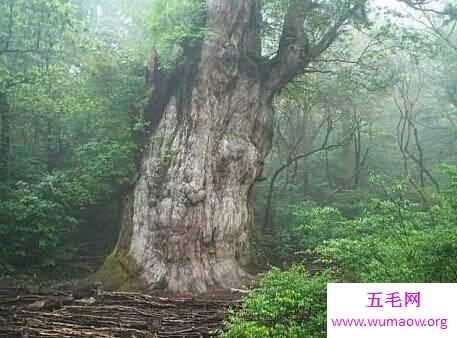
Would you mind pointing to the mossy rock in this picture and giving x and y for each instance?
(118, 273)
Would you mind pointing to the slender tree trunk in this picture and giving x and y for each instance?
(5, 126)
(328, 171)
(349, 150)
(357, 154)
(308, 140)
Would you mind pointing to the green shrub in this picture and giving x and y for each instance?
(33, 225)
(396, 240)
(309, 227)
(39, 222)
(283, 304)
(171, 23)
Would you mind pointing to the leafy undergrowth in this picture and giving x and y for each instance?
(283, 304)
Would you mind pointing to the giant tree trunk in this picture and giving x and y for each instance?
(186, 223)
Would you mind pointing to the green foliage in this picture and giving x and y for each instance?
(37, 220)
(397, 241)
(32, 32)
(34, 222)
(449, 196)
(74, 91)
(318, 225)
(283, 304)
(308, 227)
(171, 24)
(100, 170)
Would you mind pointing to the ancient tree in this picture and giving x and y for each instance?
(187, 220)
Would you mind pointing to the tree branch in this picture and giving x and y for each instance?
(293, 47)
(325, 146)
(332, 32)
(20, 51)
(450, 11)
(294, 51)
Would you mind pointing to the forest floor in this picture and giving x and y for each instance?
(89, 313)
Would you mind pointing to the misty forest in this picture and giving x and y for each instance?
(197, 168)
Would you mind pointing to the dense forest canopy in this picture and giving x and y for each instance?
(186, 145)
